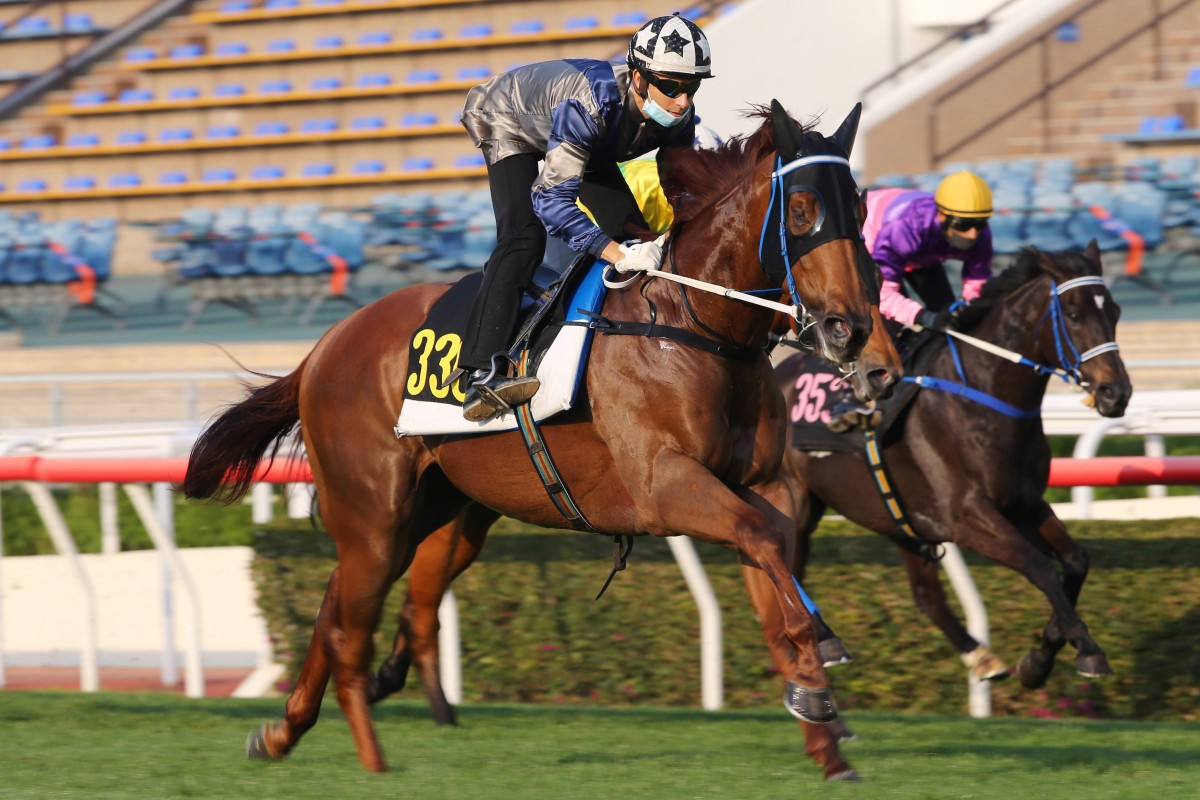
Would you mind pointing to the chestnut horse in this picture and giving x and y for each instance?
(666, 439)
(974, 476)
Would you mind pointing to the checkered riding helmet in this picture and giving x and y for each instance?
(671, 46)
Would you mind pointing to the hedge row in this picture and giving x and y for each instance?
(531, 632)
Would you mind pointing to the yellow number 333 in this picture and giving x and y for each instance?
(447, 346)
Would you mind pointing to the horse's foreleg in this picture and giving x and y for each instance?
(820, 741)
(441, 558)
(1075, 564)
(996, 538)
(276, 740)
(930, 597)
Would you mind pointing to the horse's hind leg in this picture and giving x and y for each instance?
(441, 558)
(930, 597)
(275, 740)
(1035, 667)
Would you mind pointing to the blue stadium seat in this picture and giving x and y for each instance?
(1193, 78)
(374, 38)
(271, 128)
(281, 4)
(223, 132)
(317, 170)
(367, 123)
(581, 24)
(527, 26)
(628, 18)
(235, 6)
(372, 167)
(185, 51)
(329, 42)
(38, 142)
(183, 93)
(417, 164)
(325, 83)
(475, 30)
(470, 160)
(218, 175)
(124, 180)
(275, 86)
(266, 172)
(88, 97)
(423, 76)
(173, 177)
(231, 49)
(33, 25)
(5, 144)
(176, 135)
(78, 183)
(373, 79)
(320, 125)
(25, 263)
(131, 137)
(83, 140)
(327, 2)
(135, 54)
(281, 46)
(78, 23)
(426, 35)
(229, 90)
(418, 119)
(135, 96)
(473, 72)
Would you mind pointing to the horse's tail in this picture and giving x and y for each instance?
(224, 458)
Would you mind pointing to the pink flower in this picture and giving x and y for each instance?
(548, 648)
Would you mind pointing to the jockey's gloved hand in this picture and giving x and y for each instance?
(639, 257)
(936, 320)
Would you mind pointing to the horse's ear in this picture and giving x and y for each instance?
(785, 139)
(844, 137)
(1051, 266)
(1092, 254)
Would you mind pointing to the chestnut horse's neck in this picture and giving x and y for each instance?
(720, 245)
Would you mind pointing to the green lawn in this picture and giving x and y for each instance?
(154, 746)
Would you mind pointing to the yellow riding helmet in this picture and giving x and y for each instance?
(964, 194)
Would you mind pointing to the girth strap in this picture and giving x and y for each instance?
(557, 489)
(911, 540)
(543, 464)
(733, 351)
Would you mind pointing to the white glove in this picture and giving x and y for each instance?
(639, 257)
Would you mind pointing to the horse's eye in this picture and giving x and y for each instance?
(1074, 316)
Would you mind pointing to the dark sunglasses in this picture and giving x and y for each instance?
(671, 87)
(965, 224)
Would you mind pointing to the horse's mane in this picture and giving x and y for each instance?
(1026, 268)
(694, 179)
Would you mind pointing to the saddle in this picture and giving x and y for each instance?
(819, 386)
(554, 311)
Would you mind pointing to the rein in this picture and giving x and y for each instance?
(1069, 358)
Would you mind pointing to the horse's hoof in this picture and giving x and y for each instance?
(809, 705)
(833, 653)
(1093, 666)
(1034, 669)
(841, 731)
(984, 665)
(256, 745)
(850, 775)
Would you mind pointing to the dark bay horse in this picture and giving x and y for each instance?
(976, 477)
(668, 439)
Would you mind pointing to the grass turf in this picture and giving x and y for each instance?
(154, 746)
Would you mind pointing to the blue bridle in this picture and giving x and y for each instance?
(1070, 360)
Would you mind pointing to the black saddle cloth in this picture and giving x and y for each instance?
(820, 387)
(436, 345)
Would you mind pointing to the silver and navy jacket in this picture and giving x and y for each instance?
(576, 113)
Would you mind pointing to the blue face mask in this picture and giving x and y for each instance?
(665, 118)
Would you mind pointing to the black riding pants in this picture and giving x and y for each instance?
(521, 245)
(932, 286)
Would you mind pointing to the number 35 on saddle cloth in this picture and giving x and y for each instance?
(819, 386)
(558, 356)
